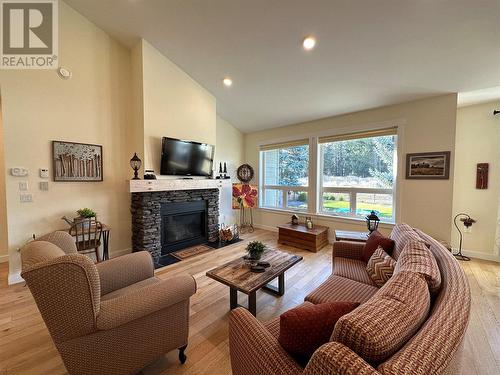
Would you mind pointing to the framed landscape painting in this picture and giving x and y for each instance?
(76, 161)
(428, 165)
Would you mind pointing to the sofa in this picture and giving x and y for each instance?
(414, 324)
(114, 317)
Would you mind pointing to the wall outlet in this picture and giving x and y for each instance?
(23, 185)
(44, 185)
(44, 173)
(26, 197)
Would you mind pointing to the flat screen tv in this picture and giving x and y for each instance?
(186, 158)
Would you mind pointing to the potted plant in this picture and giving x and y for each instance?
(255, 249)
(85, 215)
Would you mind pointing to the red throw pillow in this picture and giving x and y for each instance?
(375, 240)
(305, 328)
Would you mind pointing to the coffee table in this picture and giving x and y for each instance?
(238, 277)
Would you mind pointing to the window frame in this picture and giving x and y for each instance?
(283, 188)
(315, 188)
(352, 191)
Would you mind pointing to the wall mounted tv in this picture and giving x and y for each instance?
(186, 158)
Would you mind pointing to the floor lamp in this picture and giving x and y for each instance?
(468, 221)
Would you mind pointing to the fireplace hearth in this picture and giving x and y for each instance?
(166, 221)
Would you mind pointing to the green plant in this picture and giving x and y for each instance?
(86, 213)
(255, 249)
(302, 197)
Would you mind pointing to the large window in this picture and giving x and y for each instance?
(358, 174)
(350, 174)
(285, 180)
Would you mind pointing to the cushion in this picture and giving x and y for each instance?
(375, 240)
(338, 288)
(416, 257)
(380, 267)
(305, 328)
(352, 269)
(401, 234)
(380, 327)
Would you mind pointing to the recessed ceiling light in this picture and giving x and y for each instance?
(308, 43)
(227, 82)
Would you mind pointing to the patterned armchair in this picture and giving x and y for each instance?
(111, 318)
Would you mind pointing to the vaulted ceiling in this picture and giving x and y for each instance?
(368, 54)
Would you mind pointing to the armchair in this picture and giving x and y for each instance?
(111, 318)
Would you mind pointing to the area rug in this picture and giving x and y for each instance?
(191, 252)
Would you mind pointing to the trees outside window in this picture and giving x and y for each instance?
(356, 175)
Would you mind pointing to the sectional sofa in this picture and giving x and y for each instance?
(414, 324)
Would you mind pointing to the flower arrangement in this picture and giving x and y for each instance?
(86, 213)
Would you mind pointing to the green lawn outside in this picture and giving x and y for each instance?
(384, 211)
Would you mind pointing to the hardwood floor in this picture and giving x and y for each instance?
(26, 347)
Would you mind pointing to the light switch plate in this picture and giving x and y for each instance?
(44, 173)
(23, 185)
(26, 197)
(44, 185)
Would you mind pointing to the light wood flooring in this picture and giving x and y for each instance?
(26, 347)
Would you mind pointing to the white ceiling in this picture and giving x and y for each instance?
(369, 53)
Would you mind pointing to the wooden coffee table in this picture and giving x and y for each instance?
(238, 277)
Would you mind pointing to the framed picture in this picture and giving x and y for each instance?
(428, 166)
(244, 196)
(76, 161)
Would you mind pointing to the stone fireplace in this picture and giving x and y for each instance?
(166, 221)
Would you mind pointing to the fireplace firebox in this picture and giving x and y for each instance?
(183, 224)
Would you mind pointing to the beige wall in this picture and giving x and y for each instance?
(174, 105)
(4, 245)
(428, 125)
(230, 149)
(478, 134)
(91, 107)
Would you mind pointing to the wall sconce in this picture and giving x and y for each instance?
(467, 221)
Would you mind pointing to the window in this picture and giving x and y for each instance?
(351, 175)
(358, 174)
(285, 179)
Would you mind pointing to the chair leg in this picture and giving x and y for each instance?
(182, 356)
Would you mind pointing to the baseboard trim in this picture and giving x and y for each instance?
(118, 253)
(480, 255)
(266, 227)
(15, 278)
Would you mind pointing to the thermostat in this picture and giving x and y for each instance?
(44, 173)
(18, 172)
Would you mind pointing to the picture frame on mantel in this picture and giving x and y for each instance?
(76, 162)
(428, 166)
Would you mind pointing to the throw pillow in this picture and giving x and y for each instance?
(380, 267)
(305, 328)
(375, 240)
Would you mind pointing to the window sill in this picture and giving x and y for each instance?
(326, 217)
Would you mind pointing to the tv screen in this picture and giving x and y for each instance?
(185, 158)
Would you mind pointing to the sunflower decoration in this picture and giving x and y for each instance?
(244, 196)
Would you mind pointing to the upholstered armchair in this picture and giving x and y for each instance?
(114, 317)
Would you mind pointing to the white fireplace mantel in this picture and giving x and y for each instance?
(143, 186)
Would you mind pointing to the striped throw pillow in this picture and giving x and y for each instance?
(380, 267)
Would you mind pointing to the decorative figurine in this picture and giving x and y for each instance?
(309, 223)
(295, 220)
